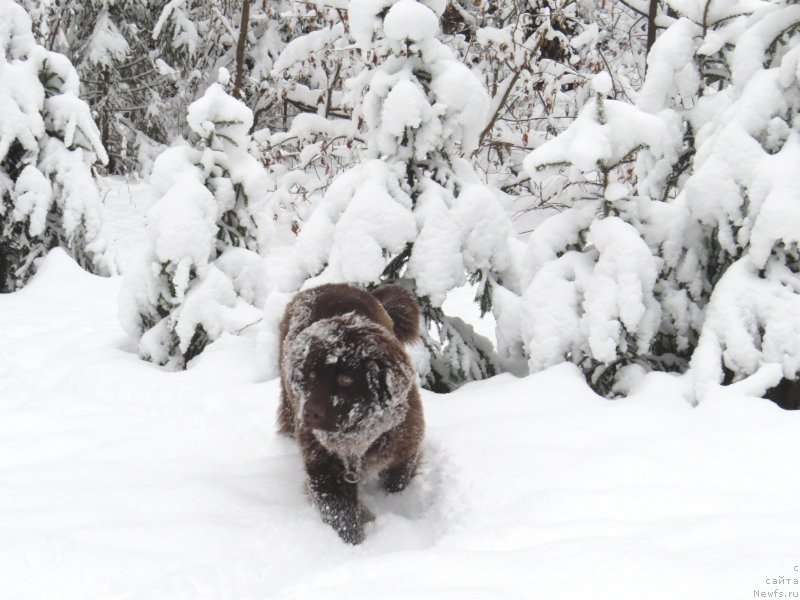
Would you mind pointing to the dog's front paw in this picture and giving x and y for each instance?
(348, 523)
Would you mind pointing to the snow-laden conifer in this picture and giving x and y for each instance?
(589, 277)
(48, 145)
(697, 172)
(743, 195)
(415, 213)
(722, 78)
(202, 274)
(111, 47)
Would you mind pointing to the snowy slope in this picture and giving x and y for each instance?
(120, 480)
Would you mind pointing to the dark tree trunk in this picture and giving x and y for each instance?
(651, 24)
(105, 116)
(240, 46)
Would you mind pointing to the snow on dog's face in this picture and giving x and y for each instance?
(351, 377)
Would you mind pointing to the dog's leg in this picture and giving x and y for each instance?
(396, 478)
(336, 499)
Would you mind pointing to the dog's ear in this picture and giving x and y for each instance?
(389, 374)
(401, 306)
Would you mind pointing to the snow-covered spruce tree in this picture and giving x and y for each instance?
(589, 276)
(718, 78)
(707, 201)
(415, 214)
(48, 145)
(140, 62)
(743, 195)
(201, 275)
(108, 41)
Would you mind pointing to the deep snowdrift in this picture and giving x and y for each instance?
(120, 480)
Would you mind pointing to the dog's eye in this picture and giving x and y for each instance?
(344, 380)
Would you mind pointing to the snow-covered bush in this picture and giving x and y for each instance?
(202, 274)
(723, 78)
(593, 159)
(698, 172)
(744, 195)
(589, 278)
(415, 213)
(48, 145)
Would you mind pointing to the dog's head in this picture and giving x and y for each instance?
(351, 377)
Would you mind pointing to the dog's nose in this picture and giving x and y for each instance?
(313, 417)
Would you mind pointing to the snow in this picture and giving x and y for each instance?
(592, 140)
(461, 301)
(122, 480)
(15, 31)
(556, 234)
(619, 293)
(750, 51)
(125, 206)
(777, 194)
(670, 68)
(214, 305)
(364, 20)
(550, 314)
(74, 187)
(485, 228)
(54, 144)
(362, 213)
(217, 115)
(588, 291)
(303, 47)
(223, 76)
(602, 84)
(436, 261)
(181, 229)
(372, 222)
(748, 326)
(182, 223)
(20, 105)
(247, 272)
(743, 188)
(750, 318)
(410, 20)
(406, 106)
(106, 45)
(185, 32)
(710, 186)
(494, 35)
(701, 11)
(467, 101)
(210, 198)
(34, 195)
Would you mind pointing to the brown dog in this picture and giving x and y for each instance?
(349, 394)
